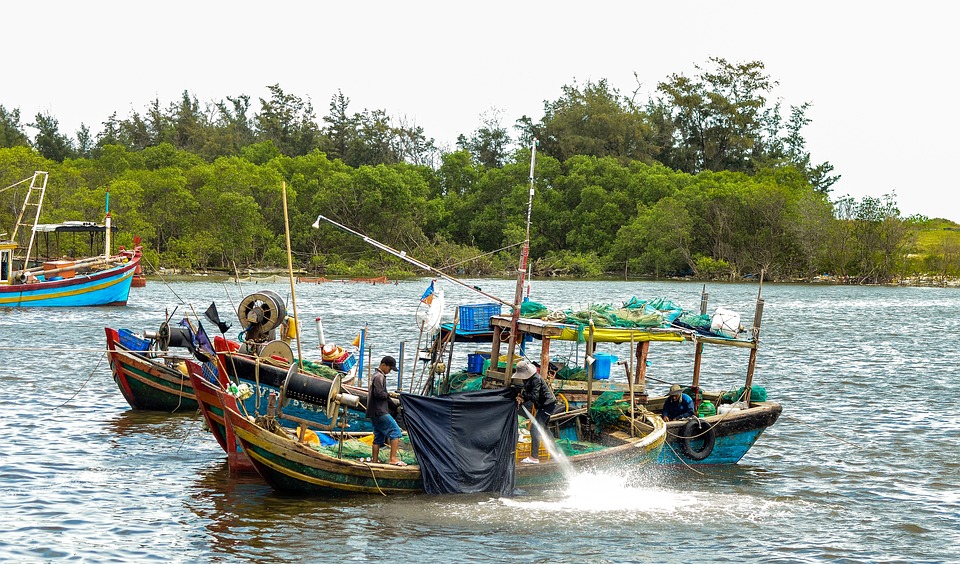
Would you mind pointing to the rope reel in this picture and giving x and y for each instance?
(260, 314)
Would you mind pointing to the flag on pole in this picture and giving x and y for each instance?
(213, 316)
(427, 296)
(356, 341)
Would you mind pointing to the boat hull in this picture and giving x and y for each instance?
(734, 435)
(147, 383)
(109, 287)
(291, 467)
(212, 398)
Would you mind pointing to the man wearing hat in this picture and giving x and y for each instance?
(536, 393)
(385, 428)
(678, 405)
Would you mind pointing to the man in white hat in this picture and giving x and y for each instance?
(535, 394)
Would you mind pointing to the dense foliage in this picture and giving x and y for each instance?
(705, 180)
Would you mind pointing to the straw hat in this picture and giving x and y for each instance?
(525, 369)
(675, 390)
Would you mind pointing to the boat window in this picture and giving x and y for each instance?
(5, 266)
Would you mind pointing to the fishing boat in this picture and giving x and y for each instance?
(27, 281)
(290, 465)
(729, 421)
(148, 377)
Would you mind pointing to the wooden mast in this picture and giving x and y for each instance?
(293, 293)
(521, 273)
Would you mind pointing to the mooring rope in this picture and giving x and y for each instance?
(92, 372)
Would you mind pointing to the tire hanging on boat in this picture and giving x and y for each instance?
(696, 428)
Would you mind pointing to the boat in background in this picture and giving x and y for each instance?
(103, 280)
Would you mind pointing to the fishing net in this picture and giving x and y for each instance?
(608, 408)
(465, 382)
(572, 373)
(318, 369)
(533, 310)
(757, 393)
(690, 320)
(355, 449)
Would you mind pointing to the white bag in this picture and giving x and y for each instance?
(725, 322)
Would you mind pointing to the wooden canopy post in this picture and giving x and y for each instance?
(757, 316)
(640, 375)
(633, 413)
(590, 368)
(698, 354)
(545, 361)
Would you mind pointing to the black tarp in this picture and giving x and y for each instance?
(464, 442)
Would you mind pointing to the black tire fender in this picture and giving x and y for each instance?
(696, 428)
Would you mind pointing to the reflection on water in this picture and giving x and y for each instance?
(863, 453)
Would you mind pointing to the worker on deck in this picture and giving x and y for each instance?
(678, 405)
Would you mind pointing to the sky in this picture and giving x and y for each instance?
(878, 76)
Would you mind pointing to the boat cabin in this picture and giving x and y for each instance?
(6, 262)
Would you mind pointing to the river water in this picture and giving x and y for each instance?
(863, 465)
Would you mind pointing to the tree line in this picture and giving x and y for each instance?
(706, 179)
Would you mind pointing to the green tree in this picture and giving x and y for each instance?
(11, 132)
(49, 141)
(718, 115)
(490, 143)
(288, 121)
(595, 120)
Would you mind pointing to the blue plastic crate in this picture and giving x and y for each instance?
(132, 342)
(476, 317)
(475, 362)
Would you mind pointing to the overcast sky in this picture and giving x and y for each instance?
(878, 75)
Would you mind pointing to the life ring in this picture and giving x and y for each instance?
(696, 428)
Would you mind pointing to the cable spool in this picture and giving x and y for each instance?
(316, 391)
(277, 350)
(260, 313)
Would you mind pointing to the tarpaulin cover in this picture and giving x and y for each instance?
(464, 442)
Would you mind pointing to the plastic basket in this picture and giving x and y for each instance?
(524, 448)
(476, 317)
(475, 364)
(132, 342)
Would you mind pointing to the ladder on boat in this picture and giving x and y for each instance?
(33, 202)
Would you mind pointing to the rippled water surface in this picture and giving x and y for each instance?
(863, 465)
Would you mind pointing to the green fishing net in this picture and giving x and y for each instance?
(355, 449)
(607, 408)
(465, 382)
(757, 393)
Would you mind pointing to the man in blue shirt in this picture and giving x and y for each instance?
(678, 405)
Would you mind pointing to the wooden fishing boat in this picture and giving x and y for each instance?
(290, 466)
(720, 437)
(149, 380)
(92, 281)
